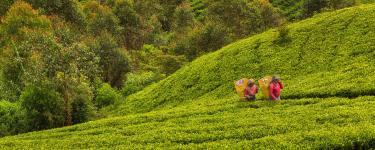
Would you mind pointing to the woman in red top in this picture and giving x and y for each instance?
(275, 88)
(251, 90)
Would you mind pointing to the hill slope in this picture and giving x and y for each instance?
(330, 55)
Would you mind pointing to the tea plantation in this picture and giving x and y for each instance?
(327, 63)
(329, 55)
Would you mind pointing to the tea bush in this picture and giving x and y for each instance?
(330, 123)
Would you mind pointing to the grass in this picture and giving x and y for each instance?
(322, 60)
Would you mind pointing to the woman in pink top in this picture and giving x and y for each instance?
(275, 88)
(251, 90)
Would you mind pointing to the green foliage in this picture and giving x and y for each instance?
(248, 18)
(34, 56)
(101, 18)
(114, 64)
(199, 8)
(184, 16)
(21, 15)
(202, 40)
(333, 123)
(70, 10)
(136, 82)
(217, 25)
(151, 58)
(30, 60)
(82, 106)
(44, 107)
(130, 20)
(65, 33)
(166, 17)
(12, 119)
(283, 36)
(106, 96)
(4, 6)
(300, 9)
(82, 60)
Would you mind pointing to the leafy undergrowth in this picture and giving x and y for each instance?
(331, 54)
(288, 124)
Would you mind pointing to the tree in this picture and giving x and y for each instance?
(44, 107)
(101, 18)
(82, 107)
(239, 16)
(12, 118)
(202, 40)
(161, 62)
(70, 10)
(184, 16)
(4, 6)
(81, 60)
(18, 25)
(114, 64)
(271, 16)
(313, 6)
(22, 15)
(134, 35)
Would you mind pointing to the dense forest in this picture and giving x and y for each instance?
(63, 60)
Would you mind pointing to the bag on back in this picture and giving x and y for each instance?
(240, 86)
(264, 85)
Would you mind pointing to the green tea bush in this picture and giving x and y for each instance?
(290, 124)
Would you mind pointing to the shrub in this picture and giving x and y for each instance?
(154, 59)
(106, 95)
(44, 107)
(12, 118)
(283, 36)
(184, 16)
(114, 63)
(202, 40)
(22, 15)
(82, 105)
